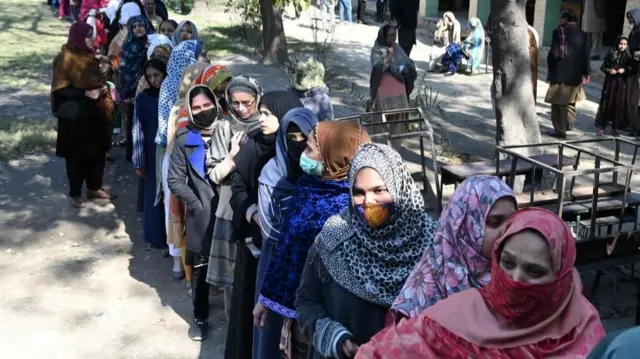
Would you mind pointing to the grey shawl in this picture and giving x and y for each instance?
(250, 126)
(378, 66)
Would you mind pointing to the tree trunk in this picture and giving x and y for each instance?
(199, 6)
(273, 40)
(512, 88)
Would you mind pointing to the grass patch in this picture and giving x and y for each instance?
(31, 36)
(226, 39)
(19, 137)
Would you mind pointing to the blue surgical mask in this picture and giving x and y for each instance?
(311, 166)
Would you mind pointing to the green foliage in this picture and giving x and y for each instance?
(248, 13)
(299, 5)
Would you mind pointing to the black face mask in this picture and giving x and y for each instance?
(204, 119)
(294, 151)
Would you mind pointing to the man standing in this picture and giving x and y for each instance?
(406, 14)
(569, 67)
(381, 7)
(362, 9)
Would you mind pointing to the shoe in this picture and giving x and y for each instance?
(449, 73)
(599, 132)
(198, 330)
(569, 127)
(99, 194)
(556, 135)
(76, 202)
(179, 275)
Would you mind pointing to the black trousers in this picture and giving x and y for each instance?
(84, 168)
(406, 39)
(381, 7)
(362, 7)
(200, 287)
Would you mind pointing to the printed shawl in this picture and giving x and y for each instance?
(374, 264)
(454, 263)
(183, 55)
(133, 57)
(314, 202)
(507, 319)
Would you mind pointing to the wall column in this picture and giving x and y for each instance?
(429, 8)
(550, 18)
(473, 8)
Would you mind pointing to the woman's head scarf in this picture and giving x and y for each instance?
(277, 172)
(183, 55)
(159, 41)
(506, 319)
(158, 65)
(373, 264)
(337, 143)
(176, 34)
(78, 33)
(473, 45)
(280, 102)
(127, 11)
(76, 66)
(245, 84)
(454, 262)
(213, 75)
(132, 56)
(187, 105)
(635, 15)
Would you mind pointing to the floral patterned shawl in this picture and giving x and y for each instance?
(454, 262)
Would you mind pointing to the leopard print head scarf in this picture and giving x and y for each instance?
(373, 264)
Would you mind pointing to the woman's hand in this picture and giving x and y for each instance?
(260, 313)
(612, 72)
(621, 71)
(236, 143)
(349, 348)
(93, 94)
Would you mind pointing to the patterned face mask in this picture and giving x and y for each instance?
(375, 214)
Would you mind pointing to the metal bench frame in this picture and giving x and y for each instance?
(597, 252)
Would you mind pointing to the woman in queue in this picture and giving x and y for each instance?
(187, 179)
(362, 256)
(322, 191)
(533, 307)
(145, 126)
(258, 115)
(460, 257)
(81, 102)
(134, 51)
(182, 56)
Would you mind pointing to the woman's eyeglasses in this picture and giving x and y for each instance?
(245, 104)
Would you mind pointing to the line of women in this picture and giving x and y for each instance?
(317, 237)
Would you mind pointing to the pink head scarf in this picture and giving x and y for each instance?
(507, 319)
(455, 261)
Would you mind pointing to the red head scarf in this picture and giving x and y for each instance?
(78, 33)
(507, 319)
